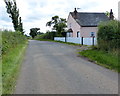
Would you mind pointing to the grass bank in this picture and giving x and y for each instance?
(102, 58)
(0, 76)
(13, 48)
(11, 66)
(69, 43)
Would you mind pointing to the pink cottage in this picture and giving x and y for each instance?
(84, 24)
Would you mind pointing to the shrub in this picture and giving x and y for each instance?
(11, 40)
(109, 36)
(48, 35)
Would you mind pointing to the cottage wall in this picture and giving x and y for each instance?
(71, 23)
(86, 31)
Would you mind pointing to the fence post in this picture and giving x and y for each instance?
(65, 39)
(82, 40)
(93, 40)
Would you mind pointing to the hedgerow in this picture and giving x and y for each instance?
(109, 36)
(13, 47)
(11, 40)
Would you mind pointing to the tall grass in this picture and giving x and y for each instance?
(13, 46)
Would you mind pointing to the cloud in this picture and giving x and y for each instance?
(36, 13)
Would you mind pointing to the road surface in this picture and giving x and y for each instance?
(55, 68)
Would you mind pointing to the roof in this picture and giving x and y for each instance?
(86, 19)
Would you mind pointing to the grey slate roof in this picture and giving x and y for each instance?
(89, 19)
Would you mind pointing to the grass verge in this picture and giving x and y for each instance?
(11, 62)
(69, 43)
(102, 58)
(0, 63)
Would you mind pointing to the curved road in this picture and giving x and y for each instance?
(54, 68)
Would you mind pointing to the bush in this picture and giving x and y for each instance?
(48, 35)
(109, 36)
(11, 40)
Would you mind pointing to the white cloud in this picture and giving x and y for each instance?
(35, 13)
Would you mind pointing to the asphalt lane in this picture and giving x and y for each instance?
(55, 68)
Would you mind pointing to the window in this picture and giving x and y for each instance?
(92, 34)
(69, 34)
(78, 34)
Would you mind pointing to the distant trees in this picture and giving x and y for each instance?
(34, 32)
(58, 24)
(13, 12)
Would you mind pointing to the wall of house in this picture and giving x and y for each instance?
(71, 23)
(86, 31)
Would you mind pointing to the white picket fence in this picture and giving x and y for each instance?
(86, 41)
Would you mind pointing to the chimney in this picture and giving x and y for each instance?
(111, 15)
(75, 13)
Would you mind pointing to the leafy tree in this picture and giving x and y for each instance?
(34, 32)
(58, 24)
(107, 13)
(13, 12)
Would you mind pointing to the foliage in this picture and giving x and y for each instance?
(48, 35)
(34, 32)
(103, 58)
(59, 24)
(13, 46)
(109, 36)
(107, 13)
(13, 12)
(11, 40)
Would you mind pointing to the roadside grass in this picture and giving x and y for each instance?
(11, 62)
(102, 58)
(0, 76)
(69, 43)
(44, 39)
(0, 64)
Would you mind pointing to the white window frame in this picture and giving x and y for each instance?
(69, 34)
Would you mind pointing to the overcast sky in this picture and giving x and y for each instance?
(35, 13)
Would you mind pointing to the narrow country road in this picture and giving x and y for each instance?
(54, 68)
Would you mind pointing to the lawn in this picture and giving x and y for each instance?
(102, 58)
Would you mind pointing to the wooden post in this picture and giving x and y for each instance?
(65, 39)
(93, 41)
(82, 40)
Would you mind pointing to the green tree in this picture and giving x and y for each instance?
(13, 12)
(107, 13)
(58, 24)
(34, 32)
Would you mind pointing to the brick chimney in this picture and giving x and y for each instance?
(75, 13)
(111, 15)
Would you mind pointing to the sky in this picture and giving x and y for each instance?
(36, 13)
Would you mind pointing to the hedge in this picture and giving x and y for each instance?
(108, 36)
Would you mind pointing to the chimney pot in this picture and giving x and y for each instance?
(75, 13)
(111, 15)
